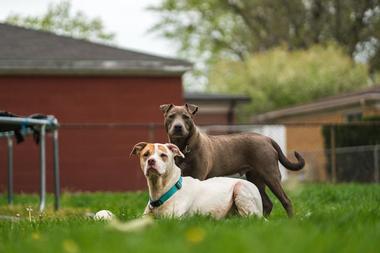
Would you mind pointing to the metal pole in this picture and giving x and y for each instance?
(28, 121)
(10, 170)
(376, 163)
(230, 116)
(57, 187)
(333, 153)
(42, 169)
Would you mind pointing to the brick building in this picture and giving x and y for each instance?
(105, 98)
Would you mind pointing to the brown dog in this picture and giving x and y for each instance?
(210, 156)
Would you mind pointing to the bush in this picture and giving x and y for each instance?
(280, 78)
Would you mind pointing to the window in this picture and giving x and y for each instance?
(354, 116)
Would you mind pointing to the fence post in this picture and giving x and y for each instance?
(151, 132)
(376, 163)
(333, 153)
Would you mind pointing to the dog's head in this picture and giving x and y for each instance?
(179, 121)
(156, 159)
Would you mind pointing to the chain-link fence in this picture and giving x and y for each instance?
(359, 163)
(99, 153)
(345, 164)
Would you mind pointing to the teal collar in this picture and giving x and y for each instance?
(167, 195)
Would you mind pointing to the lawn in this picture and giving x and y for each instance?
(329, 218)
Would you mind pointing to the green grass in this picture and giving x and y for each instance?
(341, 218)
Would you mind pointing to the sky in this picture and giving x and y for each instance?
(128, 19)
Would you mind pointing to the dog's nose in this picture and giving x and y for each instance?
(178, 127)
(151, 162)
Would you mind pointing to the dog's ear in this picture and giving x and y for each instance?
(137, 148)
(173, 148)
(192, 109)
(166, 108)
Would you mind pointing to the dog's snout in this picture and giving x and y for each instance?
(151, 162)
(178, 127)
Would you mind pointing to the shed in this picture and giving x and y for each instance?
(304, 122)
(216, 108)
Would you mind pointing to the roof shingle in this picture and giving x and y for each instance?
(23, 50)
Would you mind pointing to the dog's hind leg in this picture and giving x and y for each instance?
(274, 185)
(259, 182)
(247, 199)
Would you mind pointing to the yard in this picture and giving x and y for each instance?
(329, 218)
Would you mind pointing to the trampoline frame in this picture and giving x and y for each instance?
(50, 124)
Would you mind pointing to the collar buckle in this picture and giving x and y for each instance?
(179, 184)
(187, 149)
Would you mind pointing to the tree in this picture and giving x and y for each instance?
(214, 29)
(60, 19)
(279, 78)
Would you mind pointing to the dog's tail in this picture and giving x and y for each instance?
(284, 161)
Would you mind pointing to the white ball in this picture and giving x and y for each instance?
(103, 215)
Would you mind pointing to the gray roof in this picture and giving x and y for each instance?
(367, 96)
(211, 97)
(27, 51)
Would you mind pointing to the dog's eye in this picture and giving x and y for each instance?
(164, 155)
(146, 154)
(171, 116)
(185, 116)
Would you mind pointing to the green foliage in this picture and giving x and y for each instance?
(60, 19)
(202, 28)
(213, 29)
(278, 78)
(328, 218)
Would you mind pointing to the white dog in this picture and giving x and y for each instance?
(174, 196)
